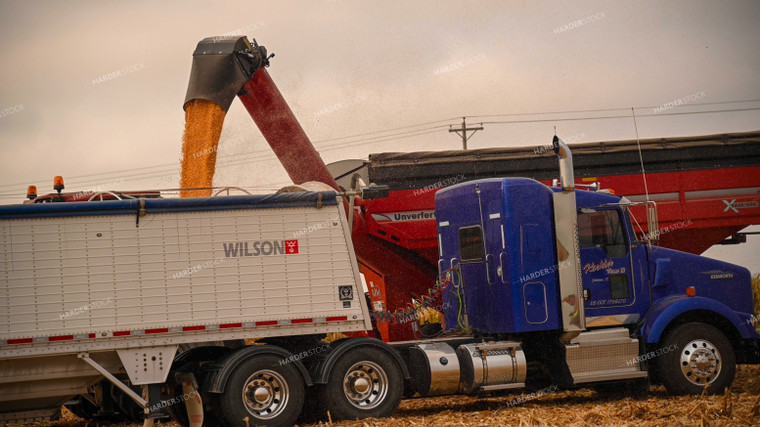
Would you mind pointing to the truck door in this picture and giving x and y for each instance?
(606, 268)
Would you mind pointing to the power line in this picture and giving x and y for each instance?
(385, 135)
(259, 154)
(622, 116)
(602, 110)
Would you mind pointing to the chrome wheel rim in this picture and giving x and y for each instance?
(700, 362)
(265, 394)
(365, 385)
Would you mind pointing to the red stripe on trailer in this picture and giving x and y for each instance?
(184, 329)
(266, 323)
(231, 325)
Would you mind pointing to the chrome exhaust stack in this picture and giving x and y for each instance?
(568, 253)
(566, 173)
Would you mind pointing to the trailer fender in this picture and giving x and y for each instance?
(218, 378)
(667, 309)
(320, 371)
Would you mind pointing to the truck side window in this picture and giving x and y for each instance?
(602, 229)
(471, 246)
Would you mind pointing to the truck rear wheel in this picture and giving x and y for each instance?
(699, 355)
(363, 383)
(262, 391)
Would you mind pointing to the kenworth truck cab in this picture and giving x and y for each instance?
(536, 260)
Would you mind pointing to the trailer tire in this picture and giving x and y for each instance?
(363, 383)
(701, 355)
(262, 391)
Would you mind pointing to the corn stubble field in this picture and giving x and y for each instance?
(740, 406)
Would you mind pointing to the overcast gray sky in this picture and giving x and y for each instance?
(358, 67)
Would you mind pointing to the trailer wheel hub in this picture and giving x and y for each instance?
(700, 362)
(265, 394)
(365, 385)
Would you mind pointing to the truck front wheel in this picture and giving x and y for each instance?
(262, 391)
(363, 383)
(698, 355)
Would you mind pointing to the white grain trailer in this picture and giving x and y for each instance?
(113, 289)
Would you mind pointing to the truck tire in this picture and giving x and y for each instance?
(262, 391)
(701, 355)
(363, 383)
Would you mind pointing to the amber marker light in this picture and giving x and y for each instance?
(31, 192)
(58, 184)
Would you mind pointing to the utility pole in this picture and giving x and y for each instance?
(464, 130)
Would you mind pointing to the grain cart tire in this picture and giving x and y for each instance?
(262, 391)
(698, 354)
(363, 383)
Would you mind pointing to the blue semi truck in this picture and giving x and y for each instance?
(563, 276)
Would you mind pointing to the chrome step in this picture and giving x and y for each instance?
(603, 355)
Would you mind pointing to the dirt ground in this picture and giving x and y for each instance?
(740, 406)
